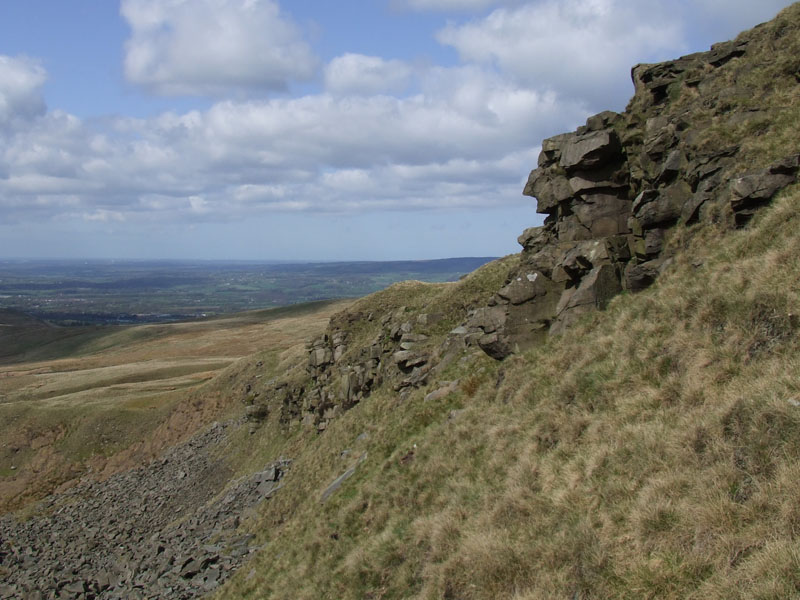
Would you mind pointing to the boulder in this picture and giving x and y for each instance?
(590, 150)
(549, 189)
(608, 178)
(526, 287)
(413, 337)
(583, 257)
(671, 167)
(406, 359)
(320, 357)
(338, 352)
(602, 120)
(495, 345)
(642, 275)
(527, 324)
(570, 229)
(339, 481)
(618, 248)
(706, 190)
(753, 190)
(594, 292)
(651, 81)
(762, 185)
(664, 206)
(725, 51)
(425, 320)
(758, 188)
(534, 239)
(654, 241)
(489, 319)
(602, 215)
(551, 149)
(661, 137)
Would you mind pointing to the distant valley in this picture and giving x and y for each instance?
(131, 292)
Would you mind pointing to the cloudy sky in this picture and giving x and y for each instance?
(307, 129)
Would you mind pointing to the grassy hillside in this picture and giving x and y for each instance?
(105, 398)
(24, 338)
(650, 452)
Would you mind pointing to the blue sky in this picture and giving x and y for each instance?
(307, 129)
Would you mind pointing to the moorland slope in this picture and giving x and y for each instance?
(501, 437)
(78, 400)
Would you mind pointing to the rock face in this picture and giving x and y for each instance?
(614, 194)
(160, 531)
(614, 191)
(340, 377)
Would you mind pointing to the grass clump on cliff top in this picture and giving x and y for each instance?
(751, 102)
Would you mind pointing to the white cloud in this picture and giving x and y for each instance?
(104, 216)
(366, 75)
(582, 49)
(213, 47)
(449, 5)
(21, 80)
(467, 137)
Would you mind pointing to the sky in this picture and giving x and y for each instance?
(307, 129)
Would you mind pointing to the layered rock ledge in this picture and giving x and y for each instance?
(615, 190)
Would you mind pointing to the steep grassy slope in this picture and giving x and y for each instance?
(650, 452)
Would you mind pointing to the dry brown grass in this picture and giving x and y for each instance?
(132, 392)
(652, 453)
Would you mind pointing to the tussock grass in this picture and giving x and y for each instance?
(650, 453)
(758, 100)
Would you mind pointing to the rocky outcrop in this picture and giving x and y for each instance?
(341, 374)
(613, 192)
(165, 530)
(753, 190)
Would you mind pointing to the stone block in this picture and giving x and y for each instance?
(549, 189)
